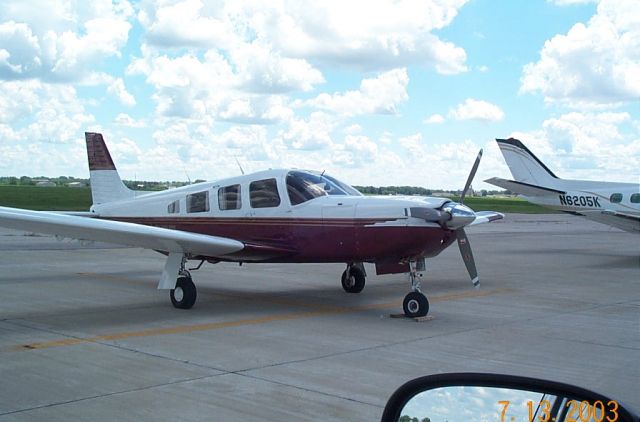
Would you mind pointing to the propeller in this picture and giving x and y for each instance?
(455, 216)
(472, 174)
(461, 235)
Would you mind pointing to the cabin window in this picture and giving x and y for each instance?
(635, 198)
(198, 202)
(615, 198)
(174, 207)
(264, 193)
(229, 198)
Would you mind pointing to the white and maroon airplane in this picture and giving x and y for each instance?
(288, 216)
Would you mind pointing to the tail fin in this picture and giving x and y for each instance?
(106, 185)
(524, 165)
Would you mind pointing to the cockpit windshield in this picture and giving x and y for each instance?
(303, 186)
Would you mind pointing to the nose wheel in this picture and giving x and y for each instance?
(415, 305)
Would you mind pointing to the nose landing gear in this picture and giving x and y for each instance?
(415, 304)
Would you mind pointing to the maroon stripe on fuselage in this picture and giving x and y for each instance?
(312, 240)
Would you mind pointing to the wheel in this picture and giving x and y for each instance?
(184, 295)
(415, 305)
(355, 282)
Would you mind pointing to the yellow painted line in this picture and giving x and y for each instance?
(182, 329)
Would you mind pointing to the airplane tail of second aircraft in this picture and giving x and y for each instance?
(106, 185)
(524, 165)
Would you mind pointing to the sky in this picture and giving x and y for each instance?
(374, 92)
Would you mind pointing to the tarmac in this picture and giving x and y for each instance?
(85, 335)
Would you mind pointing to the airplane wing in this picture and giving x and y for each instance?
(522, 188)
(486, 217)
(623, 221)
(129, 234)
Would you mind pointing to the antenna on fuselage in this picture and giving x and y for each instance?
(238, 162)
(186, 173)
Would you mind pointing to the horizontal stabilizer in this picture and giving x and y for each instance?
(122, 233)
(522, 188)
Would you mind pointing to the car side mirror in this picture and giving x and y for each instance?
(499, 398)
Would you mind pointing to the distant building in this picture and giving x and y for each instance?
(443, 194)
(45, 183)
(76, 184)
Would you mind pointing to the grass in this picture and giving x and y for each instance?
(46, 198)
(79, 199)
(506, 205)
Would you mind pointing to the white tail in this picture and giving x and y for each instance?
(106, 185)
(524, 165)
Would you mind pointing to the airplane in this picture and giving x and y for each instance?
(277, 216)
(615, 204)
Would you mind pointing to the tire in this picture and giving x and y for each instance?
(185, 293)
(415, 305)
(355, 282)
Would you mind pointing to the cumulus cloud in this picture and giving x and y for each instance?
(123, 119)
(118, 89)
(34, 111)
(594, 63)
(379, 95)
(434, 119)
(571, 2)
(472, 109)
(386, 34)
(54, 43)
(579, 145)
(260, 69)
(183, 24)
(311, 134)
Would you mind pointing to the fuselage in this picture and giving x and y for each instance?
(299, 216)
(583, 195)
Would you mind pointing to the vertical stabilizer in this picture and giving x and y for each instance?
(106, 185)
(524, 165)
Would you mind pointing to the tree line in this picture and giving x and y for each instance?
(153, 185)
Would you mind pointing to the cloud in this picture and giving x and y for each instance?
(311, 134)
(571, 2)
(387, 34)
(33, 111)
(123, 119)
(118, 89)
(56, 44)
(472, 109)
(596, 63)
(182, 25)
(260, 69)
(379, 95)
(434, 119)
(591, 146)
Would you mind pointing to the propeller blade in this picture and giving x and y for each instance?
(472, 174)
(467, 256)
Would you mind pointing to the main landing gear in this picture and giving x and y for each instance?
(353, 278)
(183, 296)
(415, 304)
(177, 279)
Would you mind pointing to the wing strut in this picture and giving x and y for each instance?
(173, 265)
